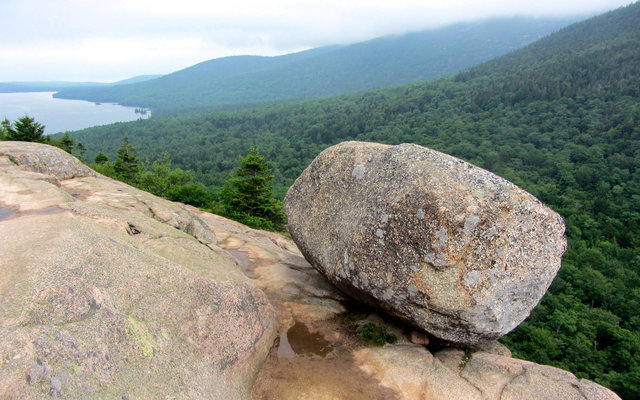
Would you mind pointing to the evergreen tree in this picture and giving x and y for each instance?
(67, 143)
(101, 158)
(247, 196)
(25, 129)
(80, 152)
(126, 165)
(4, 128)
(161, 178)
(191, 193)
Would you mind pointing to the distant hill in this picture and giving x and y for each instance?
(53, 86)
(136, 79)
(329, 70)
(560, 118)
(43, 86)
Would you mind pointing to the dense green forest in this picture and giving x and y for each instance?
(560, 118)
(327, 71)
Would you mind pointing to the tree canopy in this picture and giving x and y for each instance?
(247, 196)
(24, 129)
(126, 165)
(161, 178)
(242, 81)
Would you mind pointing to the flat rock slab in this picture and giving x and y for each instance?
(449, 247)
(414, 373)
(108, 292)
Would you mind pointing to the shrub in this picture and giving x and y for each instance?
(373, 334)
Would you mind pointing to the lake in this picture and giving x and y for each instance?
(59, 115)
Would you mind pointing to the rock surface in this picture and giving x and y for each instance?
(415, 374)
(110, 292)
(447, 246)
(342, 368)
(105, 295)
(350, 371)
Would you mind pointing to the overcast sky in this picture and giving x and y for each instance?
(109, 40)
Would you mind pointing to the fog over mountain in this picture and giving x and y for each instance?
(108, 41)
(326, 71)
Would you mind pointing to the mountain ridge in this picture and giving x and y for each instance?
(53, 86)
(330, 70)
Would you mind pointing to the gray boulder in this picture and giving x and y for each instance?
(449, 247)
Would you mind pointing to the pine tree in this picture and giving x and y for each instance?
(126, 166)
(101, 158)
(67, 143)
(24, 129)
(247, 196)
(80, 152)
(5, 125)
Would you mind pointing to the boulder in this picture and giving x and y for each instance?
(51, 161)
(107, 291)
(403, 371)
(449, 247)
(110, 292)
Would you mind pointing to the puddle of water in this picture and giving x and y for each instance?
(245, 263)
(5, 213)
(284, 348)
(299, 341)
(304, 365)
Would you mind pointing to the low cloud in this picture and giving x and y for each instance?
(106, 41)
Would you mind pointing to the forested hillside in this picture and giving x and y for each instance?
(561, 118)
(327, 71)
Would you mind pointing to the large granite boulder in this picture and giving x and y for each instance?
(108, 292)
(447, 246)
(303, 297)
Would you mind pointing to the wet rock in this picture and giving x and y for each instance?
(449, 247)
